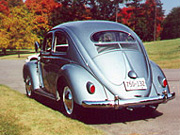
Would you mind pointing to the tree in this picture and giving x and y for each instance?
(14, 3)
(4, 7)
(154, 16)
(144, 18)
(42, 10)
(171, 25)
(102, 9)
(16, 29)
(68, 10)
(4, 41)
(134, 16)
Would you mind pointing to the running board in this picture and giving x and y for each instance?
(44, 93)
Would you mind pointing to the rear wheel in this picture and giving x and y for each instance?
(68, 101)
(28, 86)
(67, 104)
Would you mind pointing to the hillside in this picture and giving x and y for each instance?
(165, 53)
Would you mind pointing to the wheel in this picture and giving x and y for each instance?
(28, 86)
(67, 104)
(68, 101)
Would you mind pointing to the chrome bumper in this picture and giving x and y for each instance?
(117, 103)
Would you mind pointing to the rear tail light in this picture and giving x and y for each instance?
(164, 82)
(90, 88)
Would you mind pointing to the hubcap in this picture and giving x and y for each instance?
(28, 86)
(68, 100)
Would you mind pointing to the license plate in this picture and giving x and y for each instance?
(135, 84)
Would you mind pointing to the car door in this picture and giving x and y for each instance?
(45, 60)
(59, 57)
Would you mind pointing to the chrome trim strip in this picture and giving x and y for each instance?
(129, 102)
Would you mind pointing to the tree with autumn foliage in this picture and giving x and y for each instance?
(4, 8)
(144, 18)
(14, 3)
(4, 39)
(155, 17)
(42, 10)
(4, 12)
(16, 29)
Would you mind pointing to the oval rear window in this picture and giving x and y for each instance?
(112, 36)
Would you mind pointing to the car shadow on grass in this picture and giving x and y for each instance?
(103, 116)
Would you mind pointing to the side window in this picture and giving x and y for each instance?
(61, 42)
(47, 43)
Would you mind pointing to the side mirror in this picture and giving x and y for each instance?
(37, 46)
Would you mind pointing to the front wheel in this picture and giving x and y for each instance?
(28, 86)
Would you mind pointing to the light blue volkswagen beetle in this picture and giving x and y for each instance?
(95, 64)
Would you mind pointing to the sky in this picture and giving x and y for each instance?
(168, 5)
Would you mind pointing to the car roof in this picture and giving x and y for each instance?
(83, 30)
(93, 26)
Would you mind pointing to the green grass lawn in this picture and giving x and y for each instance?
(20, 115)
(165, 53)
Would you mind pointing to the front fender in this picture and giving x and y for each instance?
(157, 76)
(77, 78)
(30, 68)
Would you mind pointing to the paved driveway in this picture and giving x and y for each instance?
(166, 120)
(11, 74)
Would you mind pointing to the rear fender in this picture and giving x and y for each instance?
(77, 78)
(30, 68)
(157, 75)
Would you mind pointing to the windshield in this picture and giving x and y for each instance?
(113, 40)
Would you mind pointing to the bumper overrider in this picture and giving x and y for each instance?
(118, 103)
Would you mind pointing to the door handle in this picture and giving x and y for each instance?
(47, 60)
